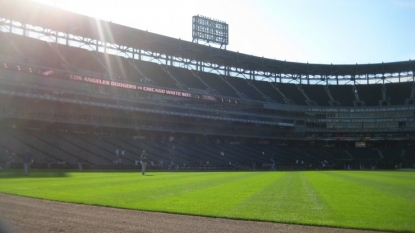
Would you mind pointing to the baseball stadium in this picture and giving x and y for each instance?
(235, 142)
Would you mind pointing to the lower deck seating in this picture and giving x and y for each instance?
(96, 151)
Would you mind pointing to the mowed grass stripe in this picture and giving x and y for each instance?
(351, 199)
(118, 189)
(380, 181)
(290, 198)
(178, 186)
(355, 205)
(216, 199)
(398, 176)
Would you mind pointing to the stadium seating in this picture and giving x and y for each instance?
(187, 78)
(58, 102)
(216, 82)
(343, 94)
(370, 94)
(269, 91)
(292, 93)
(398, 93)
(317, 94)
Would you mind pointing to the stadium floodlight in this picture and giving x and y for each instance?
(210, 30)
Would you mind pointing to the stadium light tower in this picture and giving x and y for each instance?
(210, 30)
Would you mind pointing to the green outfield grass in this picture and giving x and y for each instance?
(380, 200)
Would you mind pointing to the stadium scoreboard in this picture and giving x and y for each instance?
(210, 30)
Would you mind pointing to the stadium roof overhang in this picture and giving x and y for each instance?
(36, 14)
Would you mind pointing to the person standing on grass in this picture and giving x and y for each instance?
(80, 161)
(8, 159)
(27, 158)
(144, 159)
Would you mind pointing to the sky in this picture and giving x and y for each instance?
(313, 31)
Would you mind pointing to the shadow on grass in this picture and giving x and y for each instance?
(45, 173)
(19, 173)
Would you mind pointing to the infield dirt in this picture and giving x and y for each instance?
(29, 215)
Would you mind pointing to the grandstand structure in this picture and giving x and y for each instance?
(74, 86)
